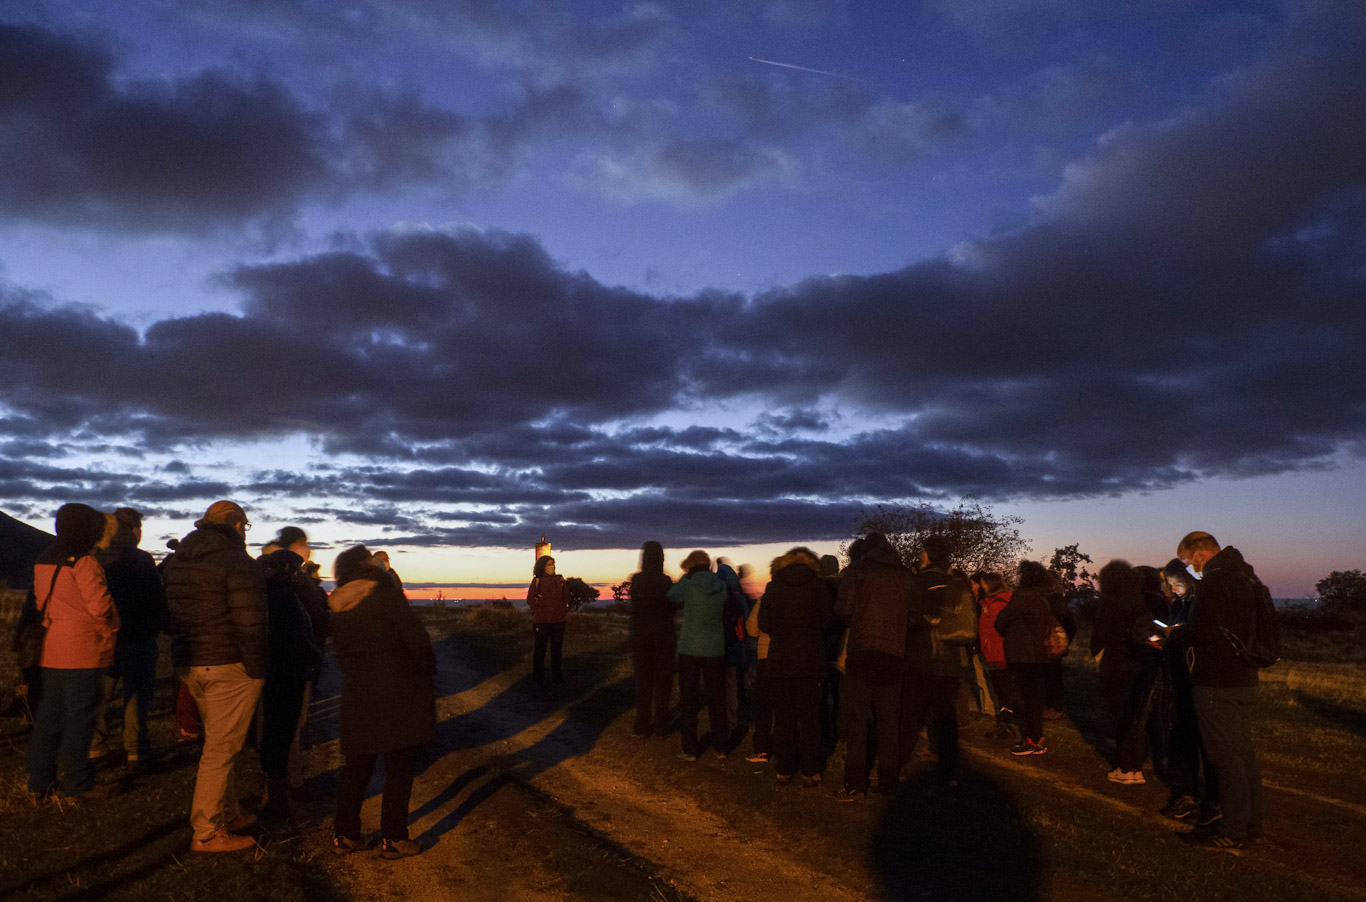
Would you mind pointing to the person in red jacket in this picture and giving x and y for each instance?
(996, 597)
(82, 623)
(548, 599)
(1024, 624)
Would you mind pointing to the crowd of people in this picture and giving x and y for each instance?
(872, 655)
(247, 638)
(878, 653)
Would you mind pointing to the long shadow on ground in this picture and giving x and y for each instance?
(970, 844)
(1353, 720)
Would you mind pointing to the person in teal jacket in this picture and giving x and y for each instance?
(701, 654)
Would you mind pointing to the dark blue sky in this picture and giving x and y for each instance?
(450, 274)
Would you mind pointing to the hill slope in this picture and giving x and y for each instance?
(20, 545)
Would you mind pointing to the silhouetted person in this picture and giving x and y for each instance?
(388, 699)
(653, 641)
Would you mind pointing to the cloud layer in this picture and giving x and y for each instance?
(1187, 303)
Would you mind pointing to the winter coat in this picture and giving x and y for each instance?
(135, 585)
(294, 649)
(879, 600)
(81, 619)
(924, 652)
(217, 601)
(992, 646)
(548, 598)
(1225, 599)
(734, 615)
(703, 597)
(652, 614)
(1024, 625)
(1122, 626)
(797, 610)
(754, 632)
(388, 698)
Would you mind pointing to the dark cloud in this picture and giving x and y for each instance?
(1187, 304)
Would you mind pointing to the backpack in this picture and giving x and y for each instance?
(1262, 647)
(958, 619)
(1057, 642)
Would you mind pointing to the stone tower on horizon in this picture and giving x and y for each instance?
(542, 548)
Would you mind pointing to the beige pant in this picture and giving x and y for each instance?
(226, 698)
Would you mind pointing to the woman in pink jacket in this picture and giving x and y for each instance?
(81, 620)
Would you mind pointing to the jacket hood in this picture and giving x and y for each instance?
(883, 554)
(353, 593)
(795, 569)
(209, 539)
(1228, 558)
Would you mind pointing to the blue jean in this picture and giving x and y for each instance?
(1225, 717)
(135, 666)
(64, 723)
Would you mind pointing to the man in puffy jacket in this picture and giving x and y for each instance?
(220, 647)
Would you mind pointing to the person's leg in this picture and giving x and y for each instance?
(227, 701)
(1030, 686)
(542, 635)
(714, 673)
(830, 706)
(643, 668)
(138, 671)
(945, 692)
(807, 694)
(856, 699)
(188, 721)
(981, 684)
(1008, 708)
(663, 679)
(763, 710)
(915, 703)
(296, 760)
(101, 736)
(1053, 687)
(689, 674)
(281, 697)
(557, 651)
(355, 778)
(85, 704)
(1132, 748)
(45, 740)
(784, 755)
(886, 717)
(731, 689)
(399, 767)
(1226, 730)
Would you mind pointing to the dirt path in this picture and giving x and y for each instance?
(515, 806)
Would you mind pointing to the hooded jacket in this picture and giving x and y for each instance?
(795, 613)
(1225, 600)
(388, 667)
(878, 599)
(703, 597)
(135, 585)
(1025, 624)
(81, 619)
(216, 597)
(548, 598)
(992, 646)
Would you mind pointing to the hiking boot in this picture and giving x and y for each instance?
(345, 845)
(783, 779)
(758, 758)
(720, 755)
(1180, 808)
(1028, 747)
(222, 841)
(1207, 823)
(811, 780)
(1127, 777)
(684, 756)
(399, 848)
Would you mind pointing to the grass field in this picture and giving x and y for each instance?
(540, 796)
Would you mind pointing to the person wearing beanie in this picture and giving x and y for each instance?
(220, 646)
(71, 595)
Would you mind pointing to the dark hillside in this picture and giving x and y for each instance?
(20, 545)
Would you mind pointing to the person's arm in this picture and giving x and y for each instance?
(95, 593)
(250, 617)
(678, 591)
(412, 634)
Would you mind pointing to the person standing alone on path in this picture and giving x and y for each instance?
(548, 599)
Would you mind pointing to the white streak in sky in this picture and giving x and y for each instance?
(803, 68)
